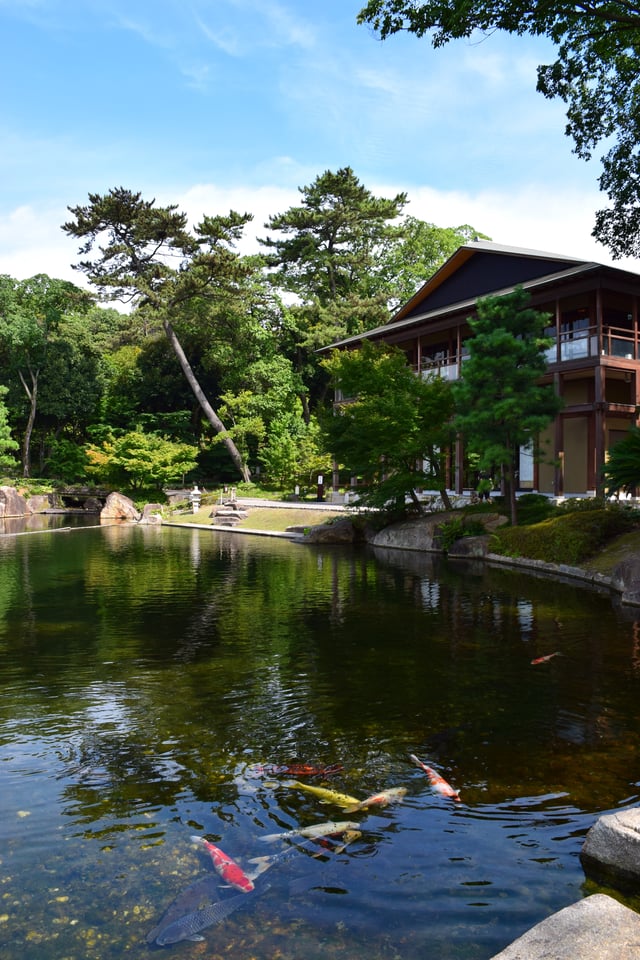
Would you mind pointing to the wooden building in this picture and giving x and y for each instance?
(594, 363)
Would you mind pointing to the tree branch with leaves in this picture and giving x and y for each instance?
(147, 255)
(595, 74)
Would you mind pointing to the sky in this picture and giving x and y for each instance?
(235, 104)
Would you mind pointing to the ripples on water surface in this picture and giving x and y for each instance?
(148, 675)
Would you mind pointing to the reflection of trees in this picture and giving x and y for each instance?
(168, 667)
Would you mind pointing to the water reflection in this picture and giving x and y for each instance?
(39, 522)
(148, 673)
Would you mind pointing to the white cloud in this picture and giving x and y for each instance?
(538, 217)
(31, 241)
(535, 217)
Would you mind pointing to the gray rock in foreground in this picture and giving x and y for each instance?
(611, 850)
(596, 928)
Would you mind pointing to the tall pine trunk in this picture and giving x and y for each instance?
(32, 394)
(200, 396)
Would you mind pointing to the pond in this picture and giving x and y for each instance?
(154, 680)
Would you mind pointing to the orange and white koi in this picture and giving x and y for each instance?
(382, 799)
(438, 783)
(546, 658)
(225, 867)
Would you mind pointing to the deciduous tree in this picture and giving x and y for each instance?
(393, 428)
(141, 461)
(595, 74)
(30, 314)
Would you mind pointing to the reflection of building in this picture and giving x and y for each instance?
(593, 363)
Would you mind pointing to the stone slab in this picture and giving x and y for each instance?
(596, 928)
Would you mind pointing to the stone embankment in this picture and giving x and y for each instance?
(425, 535)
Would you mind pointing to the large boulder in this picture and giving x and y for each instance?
(596, 928)
(119, 507)
(39, 503)
(470, 547)
(338, 531)
(414, 534)
(611, 850)
(424, 533)
(152, 513)
(12, 504)
(626, 579)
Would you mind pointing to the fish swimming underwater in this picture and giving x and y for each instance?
(299, 770)
(438, 783)
(382, 799)
(326, 795)
(225, 867)
(328, 829)
(198, 894)
(315, 847)
(546, 658)
(188, 927)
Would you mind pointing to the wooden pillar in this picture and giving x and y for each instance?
(599, 324)
(558, 443)
(600, 418)
(459, 466)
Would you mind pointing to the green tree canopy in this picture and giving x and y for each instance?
(7, 443)
(324, 252)
(328, 244)
(31, 312)
(595, 74)
(148, 255)
(393, 427)
(500, 404)
(140, 461)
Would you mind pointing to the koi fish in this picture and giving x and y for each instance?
(188, 927)
(545, 659)
(225, 867)
(329, 829)
(198, 894)
(300, 770)
(325, 795)
(382, 799)
(310, 846)
(438, 783)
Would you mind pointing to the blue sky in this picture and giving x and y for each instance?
(220, 104)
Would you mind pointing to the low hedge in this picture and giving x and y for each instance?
(572, 538)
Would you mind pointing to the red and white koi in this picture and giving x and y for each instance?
(438, 783)
(225, 867)
(546, 658)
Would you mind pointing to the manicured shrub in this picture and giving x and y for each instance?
(571, 537)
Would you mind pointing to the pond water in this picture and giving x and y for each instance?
(152, 677)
